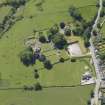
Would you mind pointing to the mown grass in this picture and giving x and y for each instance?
(51, 96)
(4, 11)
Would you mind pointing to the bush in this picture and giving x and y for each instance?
(75, 13)
(61, 59)
(27, 57)
(47, 64)
(88, 102)
(38, 87)
(36, 75)
(92, 94)
(54, 30)
(62, 25)
(59, 41)
(42, 39)
(67, 32)
(35, 70)
(87, 44)
(42, 58)
(73, 60)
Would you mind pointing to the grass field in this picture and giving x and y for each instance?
(15, 74)
(3, 12)
(53, 96)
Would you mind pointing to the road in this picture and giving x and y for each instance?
(95, 60)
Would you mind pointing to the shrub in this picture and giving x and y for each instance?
(47, 64)
(42, 39)
(36, 75)
(67, 32)
(61, 59)
(73, 60)
(27, 57)
(38, 87)
(59, 41)
(62, 25)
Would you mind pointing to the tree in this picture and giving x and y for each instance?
(54, 30)
(47, 64)
(27, 57)
(67, 31)
(103, 3)
(36, 75)
(86, 43)
(95, 32)
(88, 102)
(38, 86)
(102, 12)
(92, 94)
(61, 59)
(62, 25)
(102, 56)
(42, 57)
(59, 41)
(75, 13)
(42, 39)
(78, 31)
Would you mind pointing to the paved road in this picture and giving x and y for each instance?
(95, 60)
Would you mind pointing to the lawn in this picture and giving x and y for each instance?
(4, 11)
(15, 74)
(51, 96)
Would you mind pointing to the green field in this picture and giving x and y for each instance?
(53, 96)
(15, 74)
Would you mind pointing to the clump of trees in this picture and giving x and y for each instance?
(59, 41)
(54, 30)
(36, 87)
(15, 3)
(74, 12)
(57, 38)
(27, 56)
(42, 38)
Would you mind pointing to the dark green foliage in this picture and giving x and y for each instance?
(102, 56)
(42, 39)
(92, 94)
(61, 59)
(29, 88)
(95, 33)
(59, 41)
(73, 60)
(42, 58)
(103, 3)
(38, 86)
(88, 102)
(67, 32)
(36, 75)
(54, 30)
(16, 3)
(48, 65)
(27, 57)
(78, 31)
(75, 13)
(62, 25)
(87, 44)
